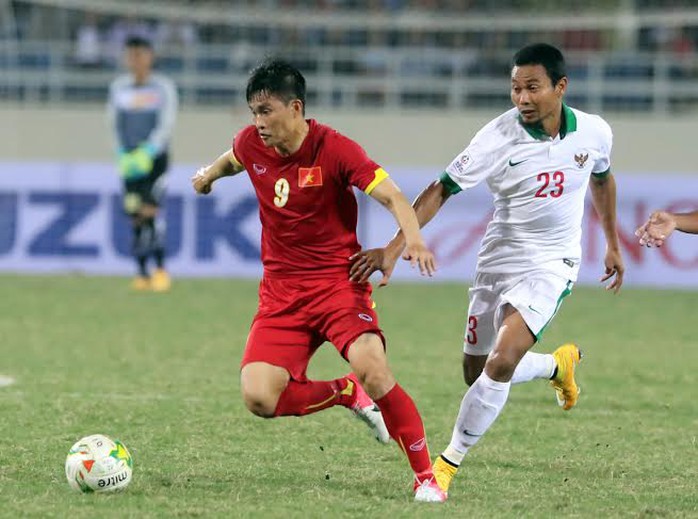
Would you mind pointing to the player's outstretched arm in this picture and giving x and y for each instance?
(416, 252)
(687, 222)
(603, 193)
(366, 262)
(661, 224)
(224, 166)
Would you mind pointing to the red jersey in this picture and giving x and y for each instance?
(306, 203)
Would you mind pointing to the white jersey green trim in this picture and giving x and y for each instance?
(567, 291)
(538, 183)
(449, 184)
(603, 174)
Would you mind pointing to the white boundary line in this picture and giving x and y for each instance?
(6, 381)
(143, 397)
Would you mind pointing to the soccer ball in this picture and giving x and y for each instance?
(98, 464)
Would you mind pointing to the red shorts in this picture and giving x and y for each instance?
(295, 316)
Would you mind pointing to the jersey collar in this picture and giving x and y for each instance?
(568, 124)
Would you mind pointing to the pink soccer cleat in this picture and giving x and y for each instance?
(367, 411)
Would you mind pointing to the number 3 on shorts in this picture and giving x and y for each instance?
(281, 189)
(471, 337)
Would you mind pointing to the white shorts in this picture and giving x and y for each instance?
(537, 296)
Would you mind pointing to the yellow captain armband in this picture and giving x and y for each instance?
(234, 160)
(380, 176)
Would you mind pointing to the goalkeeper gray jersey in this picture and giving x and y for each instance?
(142, 114)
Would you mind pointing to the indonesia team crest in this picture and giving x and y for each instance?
(581, 159)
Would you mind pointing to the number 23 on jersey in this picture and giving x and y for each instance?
(552, 184)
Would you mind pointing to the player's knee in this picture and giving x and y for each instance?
(376, 381)
(501, 364)
(375, 377)
(261, 404)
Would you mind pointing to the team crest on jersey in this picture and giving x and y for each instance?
(462, 162)
(310, 177)
(581, 159)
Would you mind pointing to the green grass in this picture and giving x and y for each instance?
(159, 372)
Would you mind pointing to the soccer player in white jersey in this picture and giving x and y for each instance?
(661, 224)
(537, 160)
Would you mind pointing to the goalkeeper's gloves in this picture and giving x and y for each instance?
(136, 163)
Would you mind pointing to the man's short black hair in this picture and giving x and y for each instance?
(275, 77)
(543, 54)
(136, 41)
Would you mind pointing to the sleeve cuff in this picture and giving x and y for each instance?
(602, 174)
(449, 184)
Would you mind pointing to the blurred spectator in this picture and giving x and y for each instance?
(681, 44)
(241, 55)
(175, 34)
(88, 43)
(374, 61)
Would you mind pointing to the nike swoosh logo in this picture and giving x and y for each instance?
(512, 164)
(534, 310)
(468, 433)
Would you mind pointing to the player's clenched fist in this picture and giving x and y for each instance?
(201, 182)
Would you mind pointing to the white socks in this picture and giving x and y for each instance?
(534, 365)
(480, 407)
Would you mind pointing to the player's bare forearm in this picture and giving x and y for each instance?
(390, 196)
(224, 166)
(416, 252)
(687, 222)
(425, 206)
(603, 194)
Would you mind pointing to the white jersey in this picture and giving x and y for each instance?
(539, 184)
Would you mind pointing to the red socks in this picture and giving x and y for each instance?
(399, 412)
(301, 398)
(405, 426)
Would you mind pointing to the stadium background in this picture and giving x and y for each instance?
(410, 80)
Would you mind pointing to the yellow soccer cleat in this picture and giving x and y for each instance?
(444, 473)
(160, 281)
(566, 357)
(140, 284)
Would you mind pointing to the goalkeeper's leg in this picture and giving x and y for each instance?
(140, 251)
(154, 246)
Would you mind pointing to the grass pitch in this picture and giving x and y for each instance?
(159, 372)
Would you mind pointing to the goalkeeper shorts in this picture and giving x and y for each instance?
(146, 190)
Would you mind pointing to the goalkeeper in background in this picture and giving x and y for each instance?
(142, 108)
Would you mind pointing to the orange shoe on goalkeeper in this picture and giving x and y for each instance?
(140, 284)
(161, 281)
(566, 357)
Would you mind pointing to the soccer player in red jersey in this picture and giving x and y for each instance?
(303, 173)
